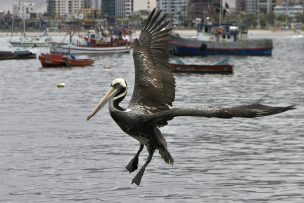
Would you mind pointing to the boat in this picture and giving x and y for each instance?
(83, 49)
(102, 38)
(17, 54)
(35, 41)
(222, 67)
(94, 43)
(61, 60)
(29, 41)
(219, 40)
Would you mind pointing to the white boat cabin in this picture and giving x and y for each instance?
(222, 33)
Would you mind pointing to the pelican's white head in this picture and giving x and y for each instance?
(120, 81)
(117, 90)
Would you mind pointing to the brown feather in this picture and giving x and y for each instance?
(154, 87)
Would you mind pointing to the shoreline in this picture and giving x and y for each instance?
(183, 32)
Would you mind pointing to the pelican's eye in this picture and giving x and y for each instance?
(117, 86)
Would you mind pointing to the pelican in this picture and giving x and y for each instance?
(154, 91)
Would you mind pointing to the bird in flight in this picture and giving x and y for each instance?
(154, 91)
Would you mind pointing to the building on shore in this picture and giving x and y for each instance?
(114, 9)
(264, 6)
(201, 9)
(23, 9)
(64, 8)
(178, 9)
(287, 10)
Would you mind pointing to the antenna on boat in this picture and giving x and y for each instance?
(13, 28)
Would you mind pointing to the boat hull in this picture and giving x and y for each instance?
(8, 55)
(204, 69)
(80, 62)
(29, 44)
(194, 47)
(89, 50)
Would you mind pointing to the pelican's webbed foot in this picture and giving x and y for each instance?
(139, 175)
(132, 165)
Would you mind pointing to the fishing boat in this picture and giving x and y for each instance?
(61, 60)
(220, 40)
(222, 67)
(102, 38)
(94, 43)
(83, 49)
(17, 54)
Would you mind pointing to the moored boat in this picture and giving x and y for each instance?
(17, 54)
(221, 67)
(202, 68)
(94, 43)
(226, 40)
(77, 49)
(61, 60)
(30, 42)
(42, 40)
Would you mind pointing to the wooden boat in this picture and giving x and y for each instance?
(79, 62)
(61, 60)
(192, 68)
(221, 67)
(17, 54)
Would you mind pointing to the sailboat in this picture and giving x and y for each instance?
(42, 40)
(35, 41)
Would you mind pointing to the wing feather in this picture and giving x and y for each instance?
(154, 88)
(244, 111)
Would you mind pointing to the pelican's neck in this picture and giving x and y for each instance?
(115, 101)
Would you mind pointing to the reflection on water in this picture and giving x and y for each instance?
(49, 153)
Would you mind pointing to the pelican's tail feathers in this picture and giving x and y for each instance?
(165, 154)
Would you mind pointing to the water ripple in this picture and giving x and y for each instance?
(49, 153)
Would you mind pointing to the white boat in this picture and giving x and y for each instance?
(74, 49)
(26, 41)
(37, 41)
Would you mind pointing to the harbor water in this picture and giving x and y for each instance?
(50, 153)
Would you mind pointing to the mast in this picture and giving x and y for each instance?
(23, 15)
(258, 10)
(220, 17)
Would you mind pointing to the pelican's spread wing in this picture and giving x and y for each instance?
(244, 111)
(154, 88)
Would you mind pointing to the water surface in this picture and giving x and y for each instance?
(50, 153)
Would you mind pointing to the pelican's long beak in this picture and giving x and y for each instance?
(103, 101)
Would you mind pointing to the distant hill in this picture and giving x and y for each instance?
(40, 5)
